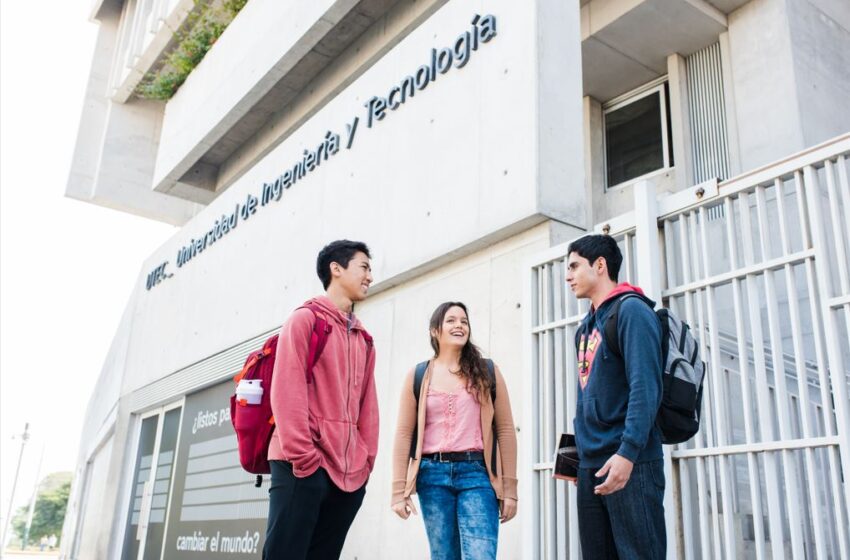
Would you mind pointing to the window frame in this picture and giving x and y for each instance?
(658, 86)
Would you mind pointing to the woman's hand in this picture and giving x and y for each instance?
(508, 510)
(405, 507)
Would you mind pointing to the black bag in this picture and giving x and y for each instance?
(684, 372)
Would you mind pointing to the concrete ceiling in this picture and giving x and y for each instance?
(623, 49)
(360, 18)
(727, 6)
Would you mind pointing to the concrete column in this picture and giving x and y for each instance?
(677, 77)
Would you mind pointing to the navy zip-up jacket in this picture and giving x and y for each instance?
(618, 397)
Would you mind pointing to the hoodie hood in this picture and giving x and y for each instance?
(620, 289)
(332, 312)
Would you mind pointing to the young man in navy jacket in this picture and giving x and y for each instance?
(621, 472)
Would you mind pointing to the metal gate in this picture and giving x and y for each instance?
(758, 266)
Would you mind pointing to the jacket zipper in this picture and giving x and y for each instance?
(347, 396)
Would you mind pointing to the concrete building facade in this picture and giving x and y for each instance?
(461, 141)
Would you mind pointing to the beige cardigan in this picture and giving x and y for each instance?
(405, 469)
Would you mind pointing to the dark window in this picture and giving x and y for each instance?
(636, 137)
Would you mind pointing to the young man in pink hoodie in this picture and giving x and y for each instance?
(326, 435)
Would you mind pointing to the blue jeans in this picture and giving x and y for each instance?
(626, 524)
(460, 510)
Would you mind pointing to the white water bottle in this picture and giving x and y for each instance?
(250, 391)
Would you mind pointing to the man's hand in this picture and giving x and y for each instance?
(619, 470)
(404, 508)
(508, 510)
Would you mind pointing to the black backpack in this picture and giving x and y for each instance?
(419, 374)
(684, 372)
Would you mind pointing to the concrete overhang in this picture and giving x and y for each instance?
(625, 43)
(269, 54)
(98, 6)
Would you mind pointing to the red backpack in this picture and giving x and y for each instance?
(254, 423)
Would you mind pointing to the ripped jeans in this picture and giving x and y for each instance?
(460, 510)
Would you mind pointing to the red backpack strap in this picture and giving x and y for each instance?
(318, 339)
(369, 342)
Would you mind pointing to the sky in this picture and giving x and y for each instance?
(67, 268)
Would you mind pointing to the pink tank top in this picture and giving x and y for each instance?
(452, 422)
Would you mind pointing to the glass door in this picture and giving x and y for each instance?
(145, 530)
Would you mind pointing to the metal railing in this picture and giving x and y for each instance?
(758, 266)
(144, 31)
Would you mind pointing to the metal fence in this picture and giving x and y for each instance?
(758, 266)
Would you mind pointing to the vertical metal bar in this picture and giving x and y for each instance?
(712, 117)
(844, 185)
(716, 384)
(699, 439)
(841, 256)
(779, 380)
(544, 411)
(570, 389)
(540, 433)
(538, 303)
(826, 415)
(561, 425)
(117, 69)
(687, 515)
(833, 346)
(744, 375)
(572, 375)
(678, 469)
(530, 516)
(705, 165)
(720, 108)
(802, 374)
(774, 507)
(708, 399)
(133, 46)
(560, 292)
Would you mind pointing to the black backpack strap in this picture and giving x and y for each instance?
(418, 375)
(491, 369)
(609, 330)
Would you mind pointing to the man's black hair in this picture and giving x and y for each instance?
(341, 252)
(591, 247)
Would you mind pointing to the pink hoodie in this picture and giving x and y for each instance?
(619, 289)
(332, 422)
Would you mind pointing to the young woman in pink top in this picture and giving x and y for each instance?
(455, 444)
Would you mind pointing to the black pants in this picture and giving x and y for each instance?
(308, 517)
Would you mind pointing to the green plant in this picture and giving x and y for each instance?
(49, 513)
(197, 36)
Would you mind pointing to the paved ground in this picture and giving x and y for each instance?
(29, 556)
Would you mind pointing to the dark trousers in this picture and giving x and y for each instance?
(627, 524)
(308, 517)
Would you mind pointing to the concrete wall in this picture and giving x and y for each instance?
(263, 43)
(820, 31)
(489, 282)
(90, 541)
(789, 61)
(433, 180)
(452, 190)
(117, 143)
